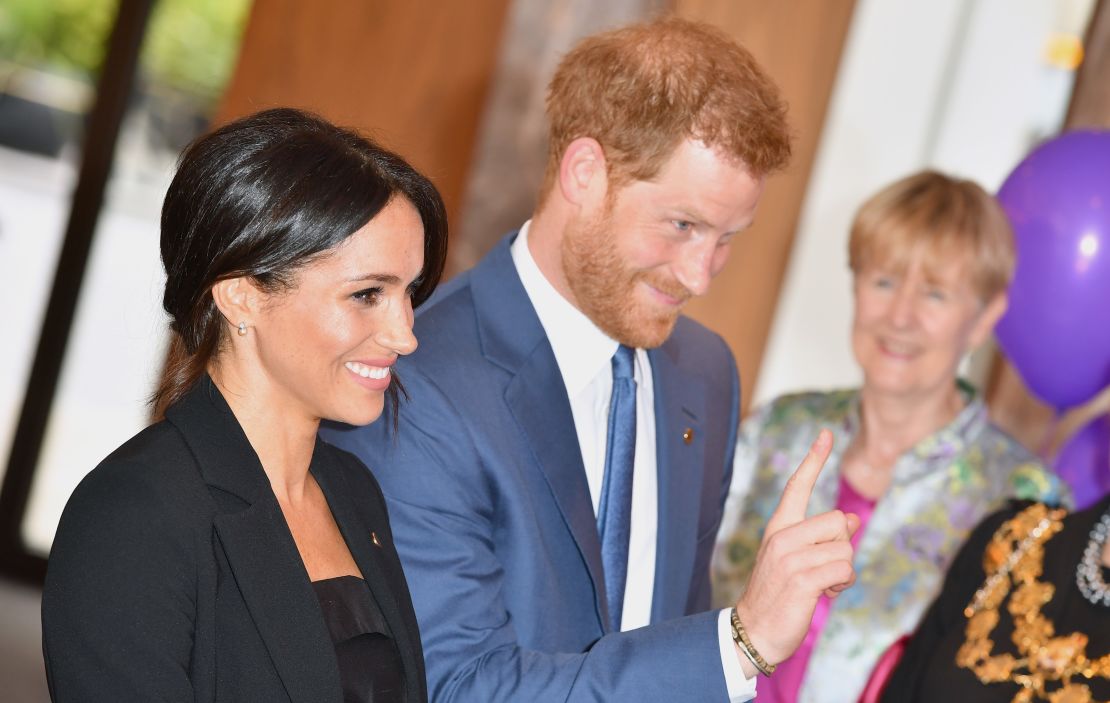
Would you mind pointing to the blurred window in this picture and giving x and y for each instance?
(50, 53)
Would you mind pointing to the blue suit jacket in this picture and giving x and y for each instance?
(493, 519)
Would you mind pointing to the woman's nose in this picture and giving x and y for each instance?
(396, 334)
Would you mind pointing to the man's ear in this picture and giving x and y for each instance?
(582, 171)
(238, 300)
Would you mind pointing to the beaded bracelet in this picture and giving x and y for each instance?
(740, 637)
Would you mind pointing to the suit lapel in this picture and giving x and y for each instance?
(679, 406)
(383, 576)
(538, 401)
(260, 550)
(513, 338)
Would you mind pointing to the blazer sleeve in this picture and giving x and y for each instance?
(119, 600)
(442, 506)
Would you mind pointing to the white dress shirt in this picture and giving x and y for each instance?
(584, 354)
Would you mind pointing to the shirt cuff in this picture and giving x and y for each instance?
(740, 688)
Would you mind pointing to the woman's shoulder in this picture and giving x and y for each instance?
(1025, 475)
(150, 478)
(809, 406)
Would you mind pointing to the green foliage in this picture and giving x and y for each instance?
(67, 36)
(190, 46)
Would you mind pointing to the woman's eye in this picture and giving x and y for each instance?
(883, 282)
(936, 294)
(368, 296)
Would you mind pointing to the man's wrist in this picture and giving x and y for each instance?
(740, 682)
(746, 664)
(747, 648)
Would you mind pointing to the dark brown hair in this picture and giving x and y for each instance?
(261, 197)
(642, 89)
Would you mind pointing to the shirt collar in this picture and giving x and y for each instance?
(941, 446)
(581, 349)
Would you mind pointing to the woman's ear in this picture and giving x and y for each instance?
(989, 316)
(238, 300)
(582, 171)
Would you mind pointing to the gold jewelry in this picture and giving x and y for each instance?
(740, 637)
(1015, 558)
(242, 329)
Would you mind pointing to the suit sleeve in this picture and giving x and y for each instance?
(118, 605)
(442, 506)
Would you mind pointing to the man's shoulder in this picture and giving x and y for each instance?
(447, 324)
(698, 350)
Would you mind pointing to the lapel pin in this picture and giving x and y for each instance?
(374, 539)
(688, 435)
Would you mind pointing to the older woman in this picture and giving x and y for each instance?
(915, 456)
(225, 554)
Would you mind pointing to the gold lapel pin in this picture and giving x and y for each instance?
(688, 435)
(374, 539)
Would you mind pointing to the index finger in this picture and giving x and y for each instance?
(795, 497)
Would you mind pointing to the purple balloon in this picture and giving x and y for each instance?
(1084, 462)
(1057, 328)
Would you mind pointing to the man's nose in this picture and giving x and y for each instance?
(695, 266)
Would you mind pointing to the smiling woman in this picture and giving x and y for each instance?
(226, 553)
(915, 456)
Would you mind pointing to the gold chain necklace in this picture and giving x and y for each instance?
(1015, 557)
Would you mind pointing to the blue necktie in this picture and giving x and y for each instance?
(614, 514)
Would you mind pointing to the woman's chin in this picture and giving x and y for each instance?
(358, 416)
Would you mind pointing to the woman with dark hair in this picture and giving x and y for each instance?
(225, 553)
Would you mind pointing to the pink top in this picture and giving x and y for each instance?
(783, 686)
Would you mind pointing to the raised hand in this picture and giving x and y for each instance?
(798, 560)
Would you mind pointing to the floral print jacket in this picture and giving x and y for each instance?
(940, 490)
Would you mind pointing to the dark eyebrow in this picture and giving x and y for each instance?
(383, 278)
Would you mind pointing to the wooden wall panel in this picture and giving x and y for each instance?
(413, 74)
(799, 43)
(1011, 405)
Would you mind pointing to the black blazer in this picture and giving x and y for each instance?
(174, 576)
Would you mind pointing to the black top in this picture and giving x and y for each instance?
(369, 665)
(174, 576)
(928, 672)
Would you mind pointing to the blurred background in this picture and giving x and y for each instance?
(97, 97)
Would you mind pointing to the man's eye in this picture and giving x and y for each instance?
(682, 225)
